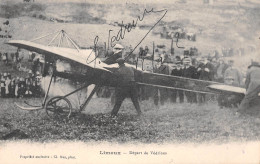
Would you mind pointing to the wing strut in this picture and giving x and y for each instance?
(83, 106)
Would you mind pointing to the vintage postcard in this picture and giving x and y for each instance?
(128, 81)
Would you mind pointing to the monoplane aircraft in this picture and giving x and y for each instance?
(87, 68)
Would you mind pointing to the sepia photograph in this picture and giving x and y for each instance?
(128, 81)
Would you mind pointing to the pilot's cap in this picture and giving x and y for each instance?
(118, 46)
(120, 61)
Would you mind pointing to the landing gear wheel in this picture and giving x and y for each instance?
(58, 106)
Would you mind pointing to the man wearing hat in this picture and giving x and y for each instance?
(17, 87)
(205, 69)
(116, 54)
(231, 71)
(3, 85)
(251, 102)
(7, 85)
(21, 87)
(205, 72)
(177, 71)
(141, 52)
(126, 87)
(12, 88)
(167, 58)
(189, 72)
(5, 59)
(220, 70)
(37, 83)
(164, 93)
(30, 77)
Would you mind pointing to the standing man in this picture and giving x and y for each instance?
(205, 72)
(7, 85)
(164, 93)
(177, 71)
(3, 85)
(12, 88)
(146, 50)
(17, 54)
(141, 52)
(126, 87)
(37, 82)
(189, 72)
(220, 70)
(7, 60)
(21, 88)
(233, 72)
(251, 102)
(4, 58)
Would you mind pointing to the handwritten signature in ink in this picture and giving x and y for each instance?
(128, 28)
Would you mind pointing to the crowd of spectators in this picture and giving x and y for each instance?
(206, 68)
(19, 87)
(13, 59)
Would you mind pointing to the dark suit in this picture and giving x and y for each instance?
(125, 88)
(177, 72)
(163, 69)
(190, 72)
(205, 75)
(2, 88)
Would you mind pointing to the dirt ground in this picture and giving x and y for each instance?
(172, 123)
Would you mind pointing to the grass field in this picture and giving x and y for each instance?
(173, 123)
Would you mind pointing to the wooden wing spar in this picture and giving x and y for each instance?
(227, 89)
(186, 84)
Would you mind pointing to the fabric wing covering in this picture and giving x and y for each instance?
(85, 57)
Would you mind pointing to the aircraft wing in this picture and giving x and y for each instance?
(227, 89)
(186, 84)
(83, 56)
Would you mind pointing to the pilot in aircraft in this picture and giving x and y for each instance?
(116, 54)
(126, 87)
